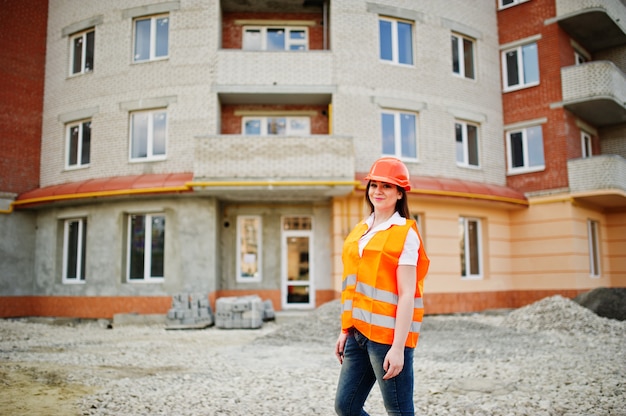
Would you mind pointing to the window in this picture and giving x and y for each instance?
(82, 51)
(148, 135)
(276, 126)
(587, 150)
(466, 144)
(151, 38)
(463, 56)
(78, 144)
(298, 285)
(594, 248)
(74, 247)
(520, 67)
(275, 39)
(396, 41)
(470, 247)
(248, 248)
(399, 131)
(508, 3)
(525, 150)
(419, 219)
(579, 58)
(146, 247)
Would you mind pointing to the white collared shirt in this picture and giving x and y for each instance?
(409, 254)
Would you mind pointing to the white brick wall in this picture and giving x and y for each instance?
(196, 65)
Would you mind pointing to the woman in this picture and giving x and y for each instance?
(384, 268)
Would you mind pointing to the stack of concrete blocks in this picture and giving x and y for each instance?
(247, 312)
(190, 309)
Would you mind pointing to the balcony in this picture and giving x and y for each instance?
(240, 168)
(284, 77)
(599, 180)
(595, 92)
(595, 24)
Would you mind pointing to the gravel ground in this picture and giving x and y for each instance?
(553, 357)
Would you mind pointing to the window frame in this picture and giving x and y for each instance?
(288, 41)
(521, 68)
(593, 238)
(258, 237)
(466, 256)
(398, 142)
(84, 37)
(525, 168)
(80, 247)
(586, 144)
(501, 4)
(460, 42)
(264, 122)
(147, 247)
(395, 47)
(153, 46)
(466, 145)
(80, 145)
(149, 134)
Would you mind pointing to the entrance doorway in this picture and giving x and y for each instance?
(297, 267)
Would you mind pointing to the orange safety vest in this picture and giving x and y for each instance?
(369, 296)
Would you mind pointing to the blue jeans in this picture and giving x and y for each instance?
(362, 367)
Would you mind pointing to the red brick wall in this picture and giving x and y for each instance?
(561, 136)
(231, 124)
(22, 70)
(232, 33)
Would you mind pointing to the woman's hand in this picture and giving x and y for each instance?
(393, 363)
(340, 346)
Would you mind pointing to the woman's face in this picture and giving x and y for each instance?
(383, 195)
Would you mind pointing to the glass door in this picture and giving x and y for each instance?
(297, 281)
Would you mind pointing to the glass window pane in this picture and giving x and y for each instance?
(73, 145)
(472, 145)
(277, 125)
(474, 252)
(159, 133)
(462, 246)
(409, 138)
(299, 126)
(460, 151)
(77, 64)
(83, 250)
(512, 73)
(137, 246)
(389, 137)
(535, 146)
(531, 63)
(249, 240)
(456, 66)
(162, 36)
(297, 35)
(157, 246)
(89, 51)
(405, 44)
(468, 58)
(275, 39)
(252, 127)
(73, 236)
(142, 39)
(86, 143)
(252, 40)
(517, 150)
(386, 51)
(139, 145)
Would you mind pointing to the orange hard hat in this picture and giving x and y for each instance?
(390, 170)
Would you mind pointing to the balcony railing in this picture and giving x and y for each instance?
(596, 24)
(596, 92)
(317, 165)
(602, 179)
